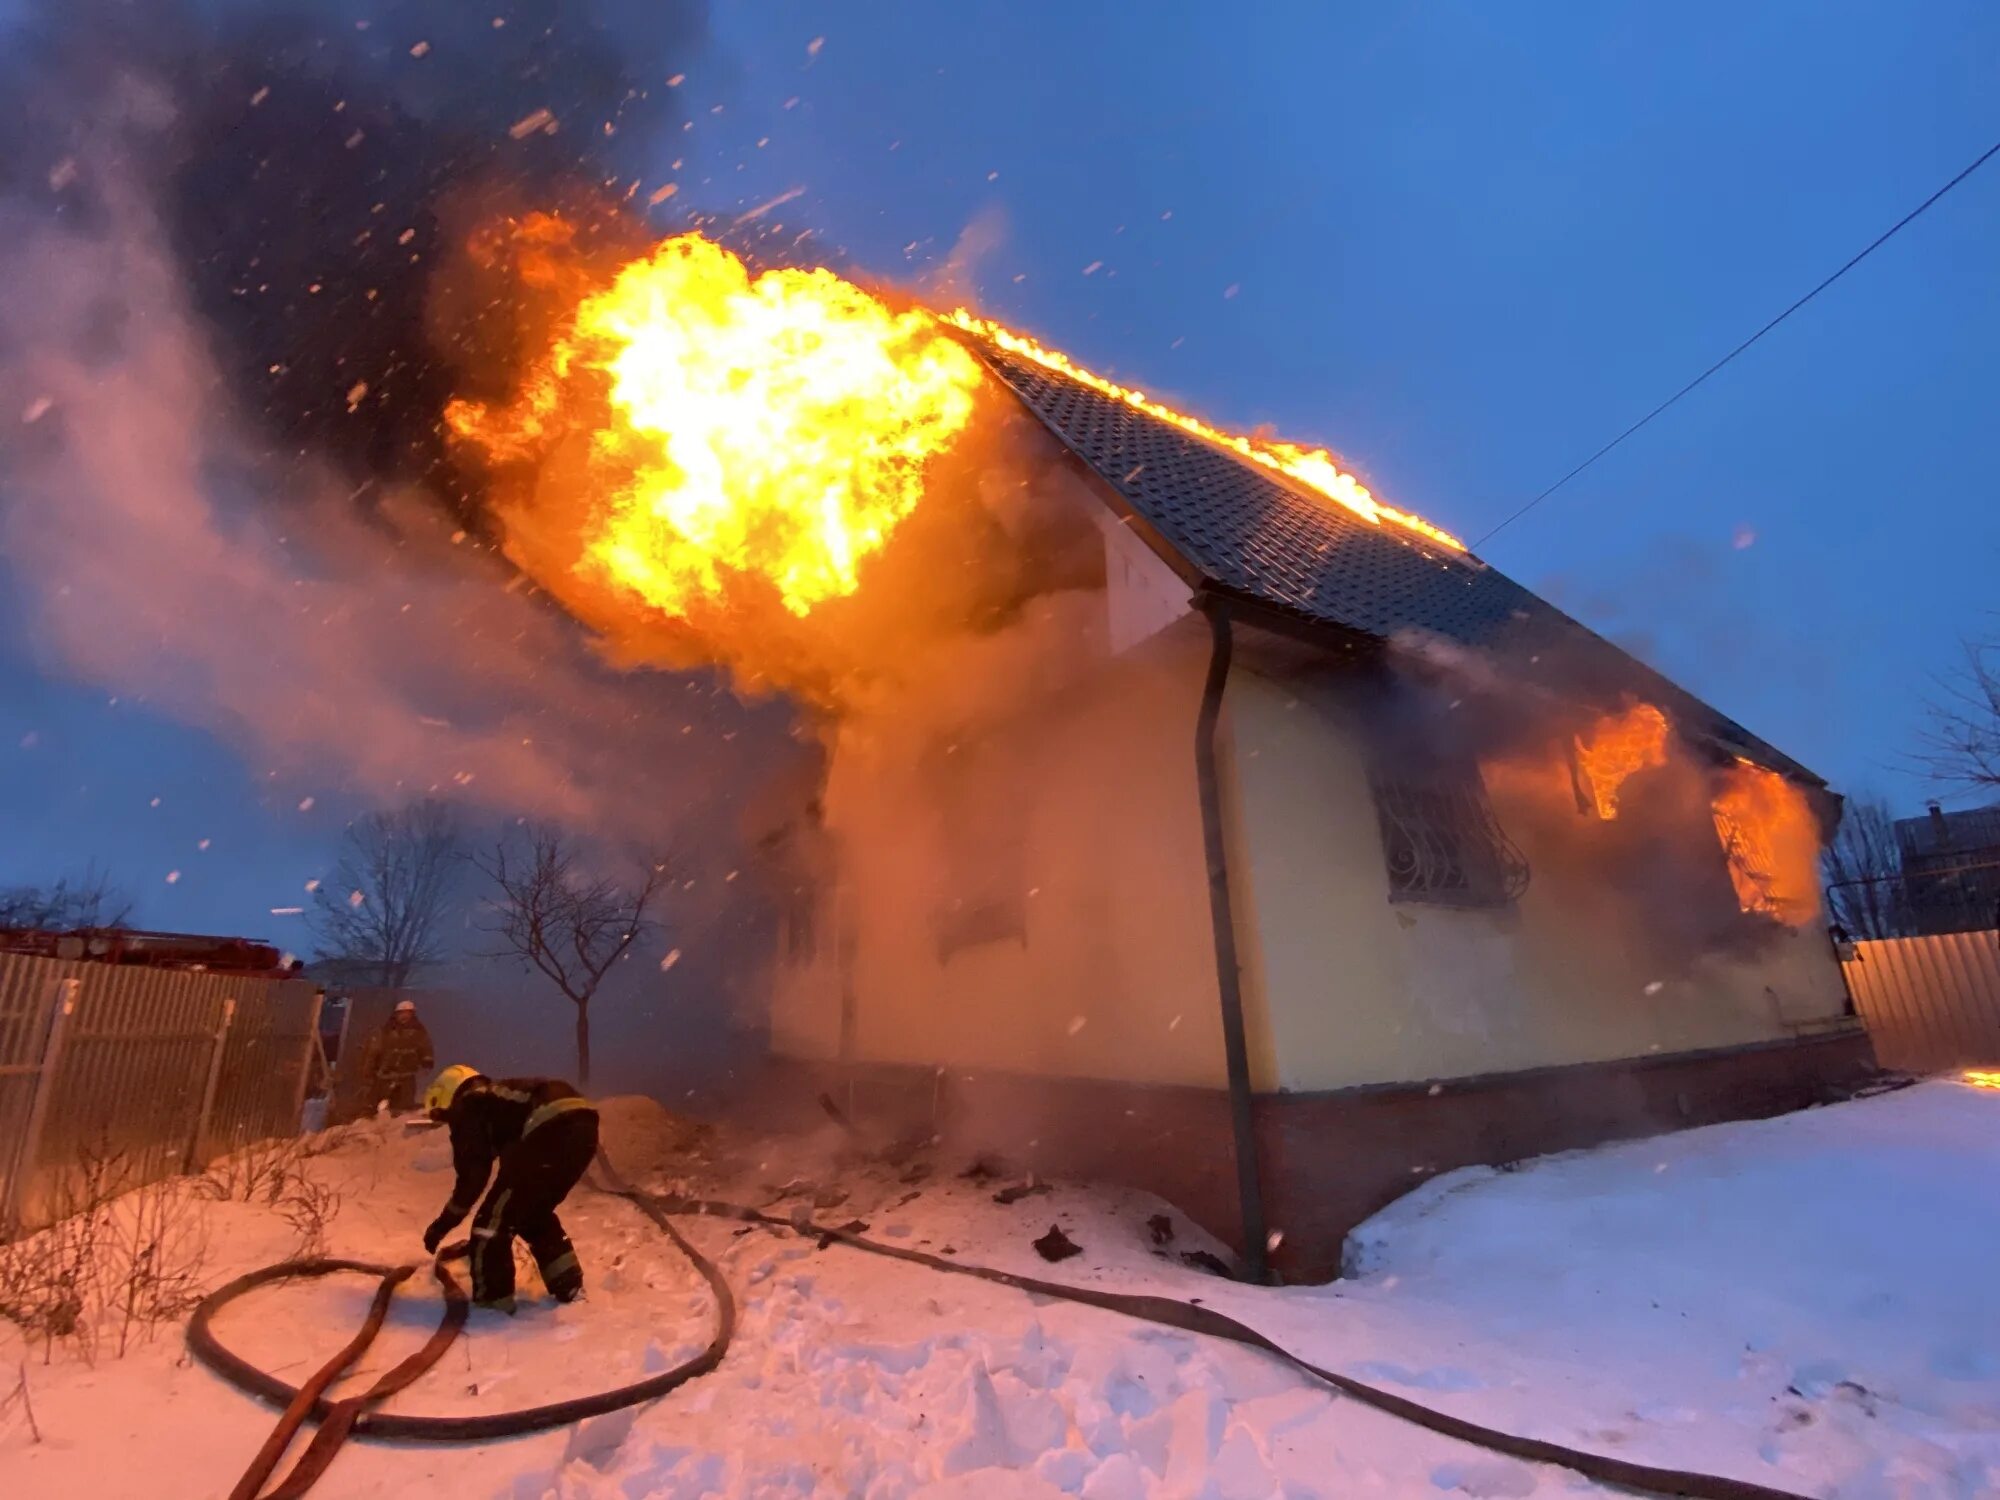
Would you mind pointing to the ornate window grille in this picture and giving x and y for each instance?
(1440, 839)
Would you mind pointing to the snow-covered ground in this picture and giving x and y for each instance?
(1809, 1302)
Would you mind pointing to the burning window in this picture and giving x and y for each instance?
(1771, 842)
(1618, 747)
(1440, 839)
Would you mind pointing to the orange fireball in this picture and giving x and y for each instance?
(770, 427)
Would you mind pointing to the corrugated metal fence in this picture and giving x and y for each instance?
(1930, 1002)
(161, 1069)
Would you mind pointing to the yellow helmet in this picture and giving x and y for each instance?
(444, 1088)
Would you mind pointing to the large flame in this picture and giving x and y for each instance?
(771, 427)
(1617, 748)
(1313, 467)
(693, 433)
(1771, 841)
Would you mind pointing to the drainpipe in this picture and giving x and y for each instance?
(1228, 970)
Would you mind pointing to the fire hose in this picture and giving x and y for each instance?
(355, 1415)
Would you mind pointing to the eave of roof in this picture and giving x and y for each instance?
(1237, 531)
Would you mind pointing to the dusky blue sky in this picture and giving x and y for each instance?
(1462, 244)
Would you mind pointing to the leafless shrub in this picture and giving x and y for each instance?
(47, 1275)
(152, 1256)
(275, 1173)
(309, 1206)
(260, 1172)
(20, 1394)
(112, 1265)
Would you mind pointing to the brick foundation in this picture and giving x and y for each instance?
(1328, 1160)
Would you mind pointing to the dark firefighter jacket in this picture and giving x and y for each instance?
(488, 1115)
(398, 1050)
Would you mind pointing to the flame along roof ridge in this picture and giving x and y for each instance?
(1246, 528)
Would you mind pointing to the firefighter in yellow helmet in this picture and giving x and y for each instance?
(543, 1133)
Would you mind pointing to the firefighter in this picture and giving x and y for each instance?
(395, 1058)
(544, 1133)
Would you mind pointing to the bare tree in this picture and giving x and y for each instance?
(1862, 869)
(88, 900)
(553, 914)
(380, 910)
(1962, 745)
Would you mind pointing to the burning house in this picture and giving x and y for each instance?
(1304, 856)
(1189, 816)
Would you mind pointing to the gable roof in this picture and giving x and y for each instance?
(1238, 530)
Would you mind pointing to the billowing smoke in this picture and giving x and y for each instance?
(330, 159)
(223, 354)
(1517, 709)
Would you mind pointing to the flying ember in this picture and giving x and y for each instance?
(1313, 467)
(769, 427)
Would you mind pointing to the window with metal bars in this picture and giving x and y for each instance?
(1440, 840)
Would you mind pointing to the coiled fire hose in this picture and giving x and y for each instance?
(355, 1416)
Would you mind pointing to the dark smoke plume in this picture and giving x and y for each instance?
(225, 230)
(327, 160)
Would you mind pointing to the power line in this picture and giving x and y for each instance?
(1877, 243)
